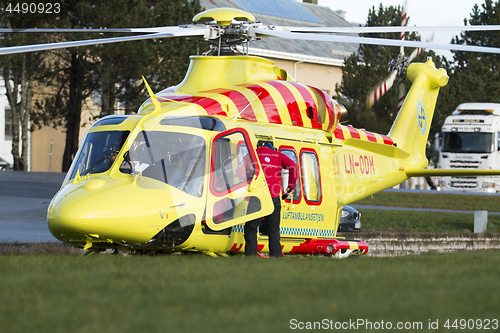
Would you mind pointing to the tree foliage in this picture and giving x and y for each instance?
(18, 72)
(111, 73)
(475, 76)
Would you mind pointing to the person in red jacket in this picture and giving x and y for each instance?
(272, 163)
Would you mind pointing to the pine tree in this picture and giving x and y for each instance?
(475, 76)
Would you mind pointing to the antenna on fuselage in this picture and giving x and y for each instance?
(155, 100)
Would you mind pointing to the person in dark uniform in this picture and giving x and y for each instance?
(272, 163)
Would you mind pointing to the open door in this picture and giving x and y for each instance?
(238, 191)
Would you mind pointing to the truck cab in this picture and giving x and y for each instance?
(470, 140)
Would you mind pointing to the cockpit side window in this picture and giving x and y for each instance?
(176, 159)
(99, 152)
(233, 166)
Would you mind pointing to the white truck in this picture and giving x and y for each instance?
(471, 140)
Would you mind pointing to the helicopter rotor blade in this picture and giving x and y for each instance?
(358, 30)
(404, 23)
(415, 53)
(86, 31)
(373, 41)
(182, 32)
(380, 89)
(419, 50)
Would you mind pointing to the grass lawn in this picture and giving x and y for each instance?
(435, 200)
(422, 221)
(67, 293)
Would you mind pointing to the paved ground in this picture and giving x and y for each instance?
(24, 199)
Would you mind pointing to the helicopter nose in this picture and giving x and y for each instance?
(110, 212)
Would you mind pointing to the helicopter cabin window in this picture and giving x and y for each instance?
(232, 165)
(290, 153)
(310, 176)
(98, 152)
(176, 159)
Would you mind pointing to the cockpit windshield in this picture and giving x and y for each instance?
(177, 159)
(99, 151)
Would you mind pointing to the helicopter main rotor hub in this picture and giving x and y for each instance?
(227, 28)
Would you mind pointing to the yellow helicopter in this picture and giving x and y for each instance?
(173, 178)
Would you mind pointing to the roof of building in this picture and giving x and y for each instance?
(280, 8)
(292, 13)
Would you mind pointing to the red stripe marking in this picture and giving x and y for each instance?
(260, 247)
(235, 247)
(363, 246)
(242, 103)
(354, 132)
(268, 103)
(334, 119)
(293, 108)
(339, 134)
(309, 100)
(371, 137)
(387, 140)
(211, 106)
(239, 100)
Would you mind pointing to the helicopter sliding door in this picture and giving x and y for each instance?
(238, 191)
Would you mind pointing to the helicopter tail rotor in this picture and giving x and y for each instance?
(397, 69)
(380, 89)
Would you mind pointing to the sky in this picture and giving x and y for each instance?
(421, 13)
